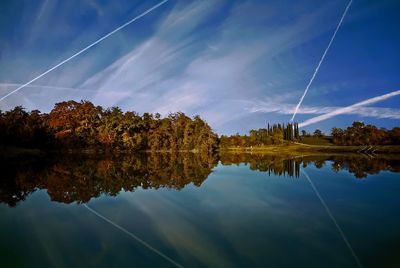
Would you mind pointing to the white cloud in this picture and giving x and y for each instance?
(287, 109)
(211, 58)
(183, 68)
(356, 107)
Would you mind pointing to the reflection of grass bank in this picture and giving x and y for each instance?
(292, 148)
(9, 152)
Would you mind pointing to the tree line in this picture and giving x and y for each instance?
(272, 134)
(360, 134)
(82, 125)
(357, 134)
(72, 124)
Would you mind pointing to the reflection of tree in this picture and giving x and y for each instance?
(80, 178)
(77, 179)
(16, 185)
(363, 166)
(358, 165)
(278, 165)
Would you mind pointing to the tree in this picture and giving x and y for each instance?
(277, 136)
(318, 133)
(296, 131)
(110, 128)
(337, 135)
(75, 122)
(394, 135)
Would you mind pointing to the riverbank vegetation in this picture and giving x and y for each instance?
(358, 134)
(80, 126)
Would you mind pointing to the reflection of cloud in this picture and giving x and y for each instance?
(226, 218)
(328, 211)
(180, 232)
(148, 246)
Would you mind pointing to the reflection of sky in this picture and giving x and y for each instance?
(239, 64)
(237, 217)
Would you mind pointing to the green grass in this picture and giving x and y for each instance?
(295, 148)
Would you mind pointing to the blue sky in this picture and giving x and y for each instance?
(238, 64)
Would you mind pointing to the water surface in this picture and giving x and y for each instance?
(193, 210)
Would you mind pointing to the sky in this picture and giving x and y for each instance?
(237, 64)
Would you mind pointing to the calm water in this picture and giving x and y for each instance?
(192, 210)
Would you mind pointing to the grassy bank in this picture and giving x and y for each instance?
(307, 148)
(282, 149)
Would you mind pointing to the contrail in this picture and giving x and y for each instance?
(348, 109)
(333, 219)
(47, 87)
(86, 48)
(133, 236)
(321, 60)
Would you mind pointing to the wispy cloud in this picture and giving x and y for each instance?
(213, 58)
(185, 67)
(354, 108)
(288, 108)
(149, 71)
(83, 50)
(35, 99)
(5, 86)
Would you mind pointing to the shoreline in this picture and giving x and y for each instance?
(9, 152)
(307, 148)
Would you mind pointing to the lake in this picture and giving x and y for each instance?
(194, 210)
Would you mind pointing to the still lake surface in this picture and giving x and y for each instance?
(192, 210)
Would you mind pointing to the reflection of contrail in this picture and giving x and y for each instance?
(86, 48)
(133, 236)
(321, 60)
(333, 219)
(348, 108)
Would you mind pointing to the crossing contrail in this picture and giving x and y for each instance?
(86, 48)
(321, 60)
(328, 211)
(133, 236)
(348, 109)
